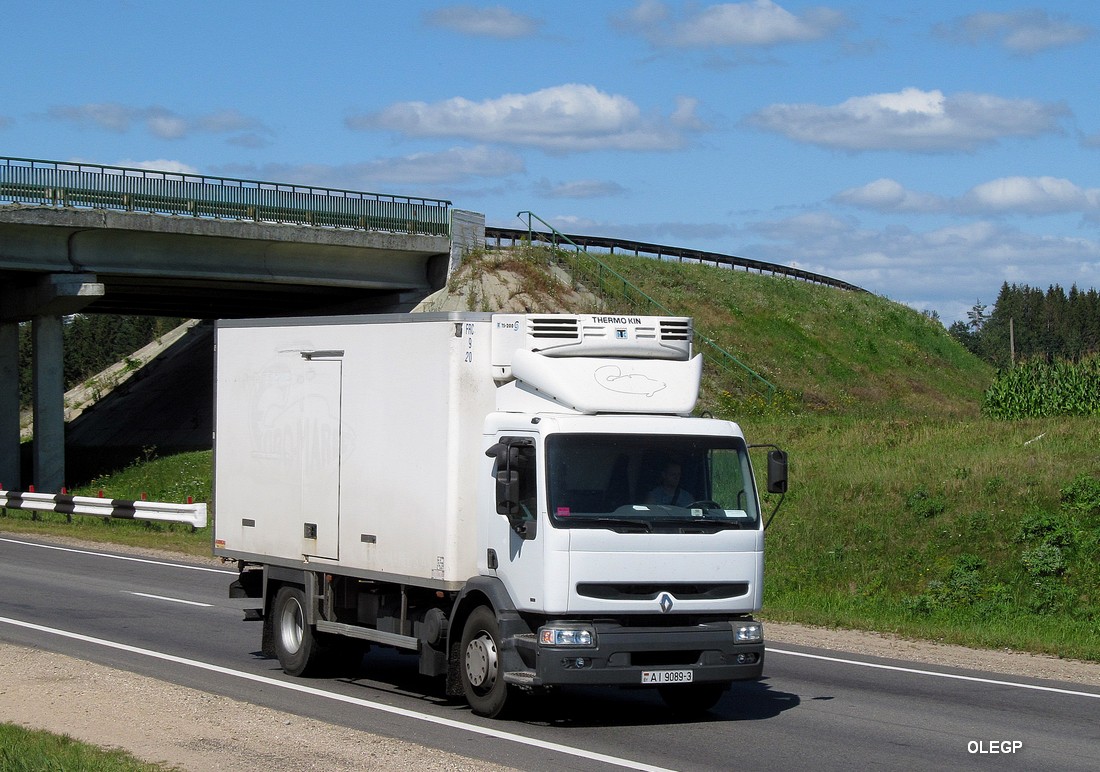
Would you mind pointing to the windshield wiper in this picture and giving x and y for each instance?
(704, 522)
(726, 522)
(614, 523)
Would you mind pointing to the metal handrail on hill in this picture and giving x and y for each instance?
(662, 252)
(603, 279)
(63, 184)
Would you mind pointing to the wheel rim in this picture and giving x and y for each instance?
(291, 626)
(481, 662)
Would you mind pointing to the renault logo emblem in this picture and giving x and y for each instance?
(665, 602)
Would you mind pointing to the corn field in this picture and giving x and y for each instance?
(1040, 389)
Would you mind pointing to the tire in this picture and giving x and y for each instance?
(296, 644)
(692, 699)
(480, 666)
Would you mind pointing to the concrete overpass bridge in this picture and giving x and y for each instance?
(99, 239)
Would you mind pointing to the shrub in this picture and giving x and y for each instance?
(1044, 560)
(923, 504)
(962, 586)
(1044, 528)
(1082, 496)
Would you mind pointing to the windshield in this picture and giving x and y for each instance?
(636, 482)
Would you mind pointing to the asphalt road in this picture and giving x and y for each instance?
(814, 708)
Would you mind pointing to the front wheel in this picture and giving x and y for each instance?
(296, 645)
(479, 666)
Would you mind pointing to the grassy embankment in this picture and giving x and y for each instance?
(25, 750)
(908, 511)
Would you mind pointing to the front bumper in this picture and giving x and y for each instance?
(621, 654)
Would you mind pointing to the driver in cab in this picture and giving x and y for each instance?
(669, 490)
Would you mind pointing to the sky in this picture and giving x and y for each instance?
(928, 152)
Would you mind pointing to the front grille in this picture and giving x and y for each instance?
(664, 658)
(650, 591)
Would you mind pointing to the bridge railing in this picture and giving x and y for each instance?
(191, 513)
(57, 183)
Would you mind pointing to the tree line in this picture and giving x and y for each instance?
(93, 342)
(1027, 323)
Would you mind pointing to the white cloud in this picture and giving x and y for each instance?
(248, 139)
(1023, 32)
(160, 165)
(943, 269)
(911, 120)
(806, 227)
(457, 164)
(756, 23)
(580, 189)
(158, 121)
(567, 118)
(1007, 195)
(453, 165)
(1031, 195)
(165, 124)
(886, 195)
(494, 22)
(106, 115)
(225, 121)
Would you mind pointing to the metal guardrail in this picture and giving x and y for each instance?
(193, 514)
(662, 252)
(605, 280)
(61, 184)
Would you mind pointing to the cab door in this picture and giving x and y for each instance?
(516, 535)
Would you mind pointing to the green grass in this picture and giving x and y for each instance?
(830, 350)
(908, 511)
(973, 532)
(24, 750)
(169, 479)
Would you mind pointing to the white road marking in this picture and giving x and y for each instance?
(933, 673)
(170, 600)
(119, 557)
(450, 723)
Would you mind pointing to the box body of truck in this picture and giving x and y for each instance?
(482, 489)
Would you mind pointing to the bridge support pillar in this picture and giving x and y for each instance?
(48, 393)
(10, 478)
(44, 303)
(467, 234)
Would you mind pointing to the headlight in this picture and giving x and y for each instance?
(748, 632)
(566, 636)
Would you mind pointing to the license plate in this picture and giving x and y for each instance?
(667, 676)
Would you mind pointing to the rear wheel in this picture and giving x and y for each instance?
(296, 645)
(692, 699)
(479, 665)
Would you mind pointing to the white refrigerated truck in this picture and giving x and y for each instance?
(485, 491)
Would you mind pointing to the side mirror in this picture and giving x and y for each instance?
(507, 492)
(777, 471)
(513, 460)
